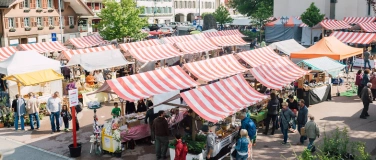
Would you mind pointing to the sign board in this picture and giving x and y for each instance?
(53, 37)
(360, 63)
(73, 97)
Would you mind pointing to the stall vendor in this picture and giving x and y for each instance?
(90, 79)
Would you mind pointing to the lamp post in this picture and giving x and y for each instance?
(61, 22)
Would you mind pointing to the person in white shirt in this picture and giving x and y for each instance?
(54, 108)
(98, 75)
(33, 110)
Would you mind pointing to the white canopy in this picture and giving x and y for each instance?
(287, 46)
(99, 60)
(325, 64)
(30, 61)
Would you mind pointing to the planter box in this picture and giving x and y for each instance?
(189, 156)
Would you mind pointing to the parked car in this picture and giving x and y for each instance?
(167, 29)
(153, 27)
(174, 24)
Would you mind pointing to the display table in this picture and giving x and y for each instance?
(315, 95)
(221, 143)
(358, 62)
(259, 117)
(99, 97)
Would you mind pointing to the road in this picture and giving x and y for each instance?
(12, 150)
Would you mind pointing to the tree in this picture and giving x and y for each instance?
(250, 7)
(262, 13)
(204, 14)
(120, 20)
(312, 16)
(222, 16)
(209, 22)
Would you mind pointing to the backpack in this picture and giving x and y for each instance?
(79, 108)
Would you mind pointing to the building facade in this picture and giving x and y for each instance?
(188, 10)
(333, 9)
(33, 21)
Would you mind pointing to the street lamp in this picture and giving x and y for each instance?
(61, 22)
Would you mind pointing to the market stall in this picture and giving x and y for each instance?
(316, 87)
(287, 46)
(6, 52)
(282, 29)
(87, 41)
(258, 56)
(66, 55)
(30, 61)
(45, 48)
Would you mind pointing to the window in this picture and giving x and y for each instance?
(96, 6)
(71, 20)
(62, 21)
(26, 4)
(62, 4)
(11, 22)
(50, 3)
(194, 4)
(176, 4)
(180, 4)
(162, 10)
(189, 4)
(92, 6)
(39, 21)
(169, 9)
(185, 4)
(38, 3)
(27, 22)
(51, 21)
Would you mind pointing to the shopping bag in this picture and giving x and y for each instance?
(60, 121)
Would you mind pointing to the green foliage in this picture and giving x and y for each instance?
(222, 16)
(250, 7)
(262, 13)
(3, 101)
(204, 14)
(121, 20)
(252, 35)
(209, 22)
(194, 147)
(312, 15)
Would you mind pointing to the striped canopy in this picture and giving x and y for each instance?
(171, 40)
(356, 20)
(355, 37)
(44, 47)
(69, 53)
(155, 53)
(6, 52)
(258, 56)
(87, 41)
(228, 41)
(197, 46)
(332, 25)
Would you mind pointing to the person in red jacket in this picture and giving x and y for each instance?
(181, 149)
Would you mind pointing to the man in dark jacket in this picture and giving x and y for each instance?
(150, 115)
(273, 107)
(187, 123)
(129, 107)
(302, 119)
(160, 127)
(366, 97)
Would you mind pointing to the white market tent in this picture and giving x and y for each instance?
(99, 60)
(287, 46)
(29, 61)
(325, 64)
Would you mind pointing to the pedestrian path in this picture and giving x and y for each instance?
(12, 150)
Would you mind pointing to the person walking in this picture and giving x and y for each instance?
(366, 77)
(250, 126)
(65, 113)
(286, 116)
(33, 111)
(54, 108)
(242, 145)
(358, 81)
(293, 106)
(373, 88)
(350, 62)
(160, 126)
(312, 131)
(150, 116)
(181, 149)
(367, 98)
(273, 106)
(302, 120)
(210, 141)
(366, 56)
(19, 109)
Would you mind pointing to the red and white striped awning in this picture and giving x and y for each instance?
(228, 41)
(368, 27)
(197, 46)
(133, 45)
(174, 39)
(333, 25)
(44, 47)
(6, 52)
(215, 68)
(231, 33)
(212, 34)
(356, 20)
(277, 73)
(69, 53)
(87, 41)
(218, 100)
(147, 84)
(355, 37)
(200, 36)
(258, 56)
(155, 53)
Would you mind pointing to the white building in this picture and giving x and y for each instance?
(157, 11)
(188, 10)
(333, 9)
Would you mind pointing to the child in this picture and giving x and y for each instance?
(65, 113)
(115, 111)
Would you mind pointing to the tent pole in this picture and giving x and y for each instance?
(322, 33)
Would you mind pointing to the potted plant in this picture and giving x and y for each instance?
(71, 26)
(117, 153)
(27, 28)
(50, 9)
(51, 27)
(75, 151)
(39, 10)
(40, 27)
(62, 27)
(195, 148)
(12, 30)
(26, 10)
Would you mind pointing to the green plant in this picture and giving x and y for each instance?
(71, 26)
(41, 116)
(194, 147)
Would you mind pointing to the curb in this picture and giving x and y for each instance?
(39, 149)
